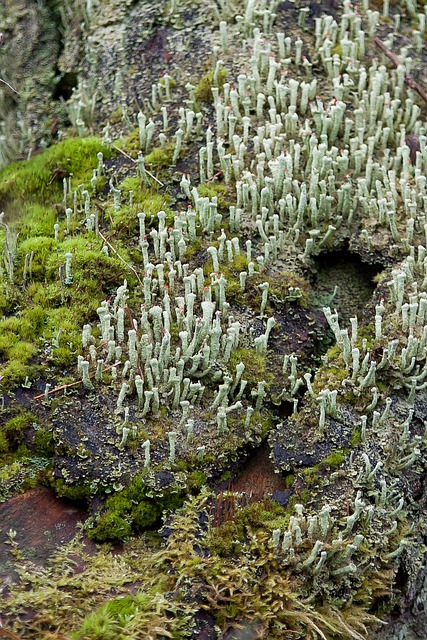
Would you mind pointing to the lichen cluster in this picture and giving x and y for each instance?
(158, 292)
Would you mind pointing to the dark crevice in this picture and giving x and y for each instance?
(64, 82)
(343, 282)
(65, 86)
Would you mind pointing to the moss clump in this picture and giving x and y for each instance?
(44, 445)
(255, 365)
(41, 177)
(15, 373)
(203, 90)
(136, 507)
(38, 222)
(288, 286)
(145, 199)
(70, 491)
(22, 351)
(227, 538)
(16, 350)
(356, 437)
(32, 323)
(4, 443)
(334, 460)
(219, 191)
(289, 480)
(315, 474)
(112, 618)
(196, 480)
(41, 247)
(262, 423)
(13, 430)
(110, 528)
(160, 157)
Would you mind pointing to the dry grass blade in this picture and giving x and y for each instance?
(8, 634)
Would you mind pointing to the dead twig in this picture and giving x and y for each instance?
(134, 161)
(73, 384)
(9, 85)
(408, 80)
(129, 266)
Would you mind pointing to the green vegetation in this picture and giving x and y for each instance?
(203, 88)
(160, 157)
(255, 365)
(222, 192)
(133, 509)
(13, 430)
(41, 177)
(316, 473)
(44, 444)
(70, 491)
(226, 539)
(312, 569)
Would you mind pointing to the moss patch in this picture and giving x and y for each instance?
(203, 89)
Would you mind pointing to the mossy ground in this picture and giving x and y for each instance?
(232, 569)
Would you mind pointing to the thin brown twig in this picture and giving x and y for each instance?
(134, 161)
(395, 60)
(72, 384)
(129, 266)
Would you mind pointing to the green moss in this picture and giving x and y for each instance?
(44, 445)
(133, 506)
(38, 221)
(131, 183)
(145, 199)
(110, 528)
(71, 491)
(93, 272)
(9, 324)
(131, 143)
(22, 351)
(255, 365)
(262, 423)
(160, 157)
(116, 116)
(63, 357)
(7, 340)
(289, 480)
(220, 191)
(356, 437)
(226, 539)
(196, 480)
(112, 617)
(15, 427)
(288, 286)
(32, 323)
(334, 460)
(15, 372)
(42, 176)
(203, 91)
(42, 248)
(4, 443)
(315, 474)
(145, 515)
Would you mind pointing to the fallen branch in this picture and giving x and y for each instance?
(408, 80)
